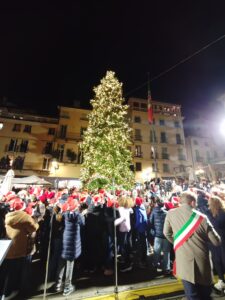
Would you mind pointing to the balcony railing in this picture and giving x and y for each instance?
(181, 157)
(138, 154)
(165, 156)
(71, 136)
(138, 138)
(164, 141)
(199, 159)
(17, 149)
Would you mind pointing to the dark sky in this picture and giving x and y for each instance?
(53, 53)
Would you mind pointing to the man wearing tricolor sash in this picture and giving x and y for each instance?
(189, 231)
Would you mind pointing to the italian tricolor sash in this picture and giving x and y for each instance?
(185, 232)
(187, 229)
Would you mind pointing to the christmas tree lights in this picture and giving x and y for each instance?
(107, 139)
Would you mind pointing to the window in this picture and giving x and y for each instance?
(165, 155)
(60, 150)
(144, 106)
(215, 154)
(181, 155)
(17, 127)
(138, 166)
(80, 157)
(166, 168)
(82, 130)
(155, 167)
(162, 122)
(23, 146)
(18, 163)
(178, 139)
(138, 152)
(137, 135)
(27, 128)
(197, 155)
(153, 138)
(84, 117)
(208, 156)
(12, 145)
(48, 148)
(136, 104)
(176, 124)
(45, 164)
(163, 137)
(63, 129)
(195, 142)
(51, 131)
(137, 119)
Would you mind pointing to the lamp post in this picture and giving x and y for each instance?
(55, 167)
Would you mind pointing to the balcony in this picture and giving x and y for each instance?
(165, 156)
(152, 156)
(164, 141)
(70, 137)
(47, 152)
(138, 138)
(138, 155)
(199, 159)
(181, 157)
(16, 149)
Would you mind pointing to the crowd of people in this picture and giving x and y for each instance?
(81, 224)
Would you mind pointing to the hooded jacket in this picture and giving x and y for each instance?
(140, 218)
(19, 227)
(71, 245)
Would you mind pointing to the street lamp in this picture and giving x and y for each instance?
(1, 126)
(222, 127)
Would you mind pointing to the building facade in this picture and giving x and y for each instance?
(206, 157)
(158, 149)
(50, 146)
(25, 139)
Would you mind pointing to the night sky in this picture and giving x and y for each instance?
(52, 54)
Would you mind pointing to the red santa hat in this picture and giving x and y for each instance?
(138, 201)
(111, 202)
(17, 204)
(175, 200)
(29, 209)
(10, 196)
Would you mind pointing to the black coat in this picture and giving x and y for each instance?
(71, 246)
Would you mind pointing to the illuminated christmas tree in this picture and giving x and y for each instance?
(106, 153)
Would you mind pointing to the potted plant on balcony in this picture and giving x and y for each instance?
(72, 156)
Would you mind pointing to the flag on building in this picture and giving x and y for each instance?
(150, 108)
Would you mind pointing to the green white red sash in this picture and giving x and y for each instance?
(187, 229)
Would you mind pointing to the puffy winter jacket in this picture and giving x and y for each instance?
(157, 219)
(71, 246)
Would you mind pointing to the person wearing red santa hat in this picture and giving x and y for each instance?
(71, 245)
(19, 226)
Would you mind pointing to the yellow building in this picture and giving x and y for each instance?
(26, 139)
(72, 123)
(50, 146)
(158, 149)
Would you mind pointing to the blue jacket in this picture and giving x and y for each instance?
(157, 219)
(71, 245)
(140, 218)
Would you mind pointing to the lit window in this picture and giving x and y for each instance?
(27, 128)
(51, 131)
(17, 127)
(138, 166)
(161, 122)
